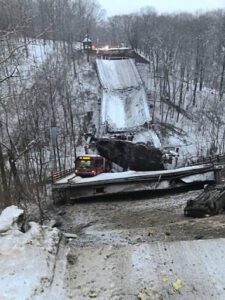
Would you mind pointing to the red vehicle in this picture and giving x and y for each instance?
(90, 165)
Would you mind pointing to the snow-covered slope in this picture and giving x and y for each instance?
(118, 74)
(124, 102)
(45, 69)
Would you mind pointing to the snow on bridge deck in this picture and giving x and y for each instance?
(118, 74)
(133, 174)
(124, 101)
(125, 109)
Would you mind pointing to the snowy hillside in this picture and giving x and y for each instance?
(193, 129)
(49, 87)
(53, 86)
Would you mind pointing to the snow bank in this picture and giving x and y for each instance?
(8, 218)
(27, 260)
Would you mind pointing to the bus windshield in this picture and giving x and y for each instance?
(81, 163)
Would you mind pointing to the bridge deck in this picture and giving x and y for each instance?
(72, 187)
(124, 101)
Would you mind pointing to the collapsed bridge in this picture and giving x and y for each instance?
(124, 101)
(74, 187)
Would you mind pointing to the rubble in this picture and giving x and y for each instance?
(128, 155)
(210, 202)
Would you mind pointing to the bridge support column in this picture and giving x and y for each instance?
(217, 173)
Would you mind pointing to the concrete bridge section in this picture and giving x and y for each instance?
(124, 101)
(71, 187)
(116, 53)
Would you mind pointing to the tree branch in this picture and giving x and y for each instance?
(23, 45)
(9, 76)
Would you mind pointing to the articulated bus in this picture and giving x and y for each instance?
(90, 165)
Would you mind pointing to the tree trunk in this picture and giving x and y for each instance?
(6, 194)
(222, 79)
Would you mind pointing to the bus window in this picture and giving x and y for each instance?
(98, 162)
(84, 163)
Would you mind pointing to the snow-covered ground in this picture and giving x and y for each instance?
(27, 260)
(194, 136)
(171, 270)
(147, 136)
(129, 257)
(46, 66)
(124, 101)
(147, 250)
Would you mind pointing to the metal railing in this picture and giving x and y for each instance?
(61, 174)
(215, 159)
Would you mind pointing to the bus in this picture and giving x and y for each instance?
(91, 165)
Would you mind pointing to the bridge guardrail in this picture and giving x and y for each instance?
(61, 174)
(216, 159)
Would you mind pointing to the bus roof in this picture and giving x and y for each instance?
(89, 155)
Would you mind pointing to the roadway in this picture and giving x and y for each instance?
(124, 101)
(142, 248)
(73, 188)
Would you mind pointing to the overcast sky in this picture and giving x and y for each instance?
(113, 7)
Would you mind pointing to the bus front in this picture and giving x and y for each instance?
(84, 166)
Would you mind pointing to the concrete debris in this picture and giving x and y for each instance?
(210, 202)
(71, 258)
(70, 235)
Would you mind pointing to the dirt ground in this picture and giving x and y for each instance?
(139, 248)
(142, 219)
